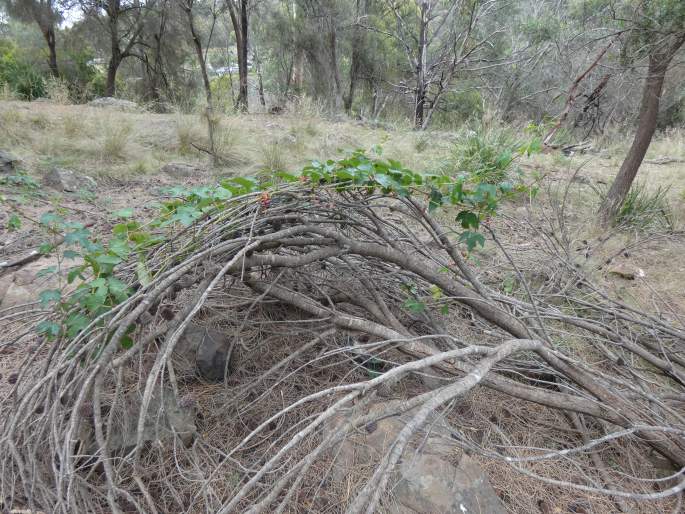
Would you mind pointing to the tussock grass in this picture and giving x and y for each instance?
(57, 91)
(643, 208)
(273, 158)
(187, 132)
(114, 140)
(73, 125)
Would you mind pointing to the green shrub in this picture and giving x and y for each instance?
(485, 154)
(21, 77)
(643, 208)
(457, 108)
(85, 80)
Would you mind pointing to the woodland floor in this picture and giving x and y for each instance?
(124, 152)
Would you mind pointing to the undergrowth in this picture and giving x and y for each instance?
(643, 208)
(486, 154)
(101, 290)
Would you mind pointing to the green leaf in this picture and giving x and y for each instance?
(118, 289)
(472, 239)
(75, 323)
(468, 219)
(49, 295)
(123, 213)
(48, 328)
(46, 248)
(50, 270)
(127, 342)
(287, 177)
(120, 248)
(108, 259)
(50, 218)
(75, 273)
(435, 200)
(14, 223)
(445, 310)
(415, 305)
(143, 273)
(79, 236)
(71, 254)
(436, 292)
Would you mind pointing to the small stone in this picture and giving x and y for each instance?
(12, 379)
(426, 478)
(68, 181)
(8, 162)
(626, 272)
(117, 104)
(182, 170)
(204, 351)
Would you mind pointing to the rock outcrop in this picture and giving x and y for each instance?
(433, 475)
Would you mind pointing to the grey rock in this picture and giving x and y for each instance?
(433, 474)
(24, 285)
(166, 417)
(66, 180)
(205, 352)
(181, 170)
(8, 162)
(117, 104)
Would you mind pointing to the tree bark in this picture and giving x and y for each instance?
(421, 69)
(238, 14)
(337, 85)
(188, 7)
(49, 34)
(649, 110)
(112, 67)
(115, 57)
(355, 59)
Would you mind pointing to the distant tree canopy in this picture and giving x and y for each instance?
(430, 62)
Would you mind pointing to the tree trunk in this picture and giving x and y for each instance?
(355, 59)
(649, 110)
(112, 67)
(242, 58)
(420, 101)
(260, 81)
(238, 14)
(115, 57)
(337, 86)
(49, 35)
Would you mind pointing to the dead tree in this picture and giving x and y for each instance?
(437, 44)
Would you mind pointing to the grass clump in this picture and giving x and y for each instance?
(186, 133)
(115, 139)
(485, 154)
(644, 209)
(227, 141)
(273, 158)
(57, 90)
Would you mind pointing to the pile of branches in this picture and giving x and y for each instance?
(311, 284)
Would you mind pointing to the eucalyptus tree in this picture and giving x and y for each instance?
(438, 37)
(655, 33)
(47, 14)
(239, 13)
(123, 22)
